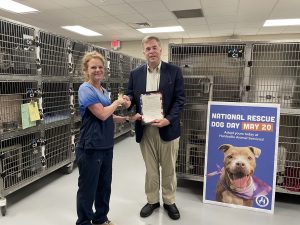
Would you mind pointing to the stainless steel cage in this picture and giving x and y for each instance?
(17, 49)
(20, 159)
(56, 101)
(248, 72)
(78, 51)
(54, 52)
(76, 103)
(38, 66)
(275, 74)
(114, 65)
(12, 96)
(58, 146)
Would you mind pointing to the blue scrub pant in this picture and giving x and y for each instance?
(94, 185)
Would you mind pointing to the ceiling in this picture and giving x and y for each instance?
(117, 19)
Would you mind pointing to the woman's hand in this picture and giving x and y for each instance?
(127, 101)
(119, 101)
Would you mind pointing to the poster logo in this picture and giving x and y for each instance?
(262, 201)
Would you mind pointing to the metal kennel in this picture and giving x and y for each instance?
(243, 72)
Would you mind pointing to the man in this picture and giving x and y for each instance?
(159, 141)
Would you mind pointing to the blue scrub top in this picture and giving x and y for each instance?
(95, 134)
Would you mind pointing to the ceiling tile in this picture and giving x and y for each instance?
(71, 3)
(249, 25)
(105, 2)
(255, 7)
(174, 5)
(119, 9)
(196, 29)
(220, 11)
(134, 1)
(192, 21)
(286, 9)
(164, 23)
(221, 3)
(149, 7)
(112, 17)
(221, 19)
(159, 16)
(131, 18)
(40, 5)
(221, 26)
(89, 12)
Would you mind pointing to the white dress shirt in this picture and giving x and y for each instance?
(153, 78)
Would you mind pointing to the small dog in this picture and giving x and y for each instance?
(237, 185)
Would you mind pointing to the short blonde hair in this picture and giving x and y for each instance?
(85, 60)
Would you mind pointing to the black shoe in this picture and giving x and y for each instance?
(148, 209)
(172, 211)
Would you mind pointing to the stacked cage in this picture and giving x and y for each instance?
(209, 73)
(40, 75)
(244, 72)
(274, 78)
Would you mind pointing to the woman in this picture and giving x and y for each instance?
(94, 151)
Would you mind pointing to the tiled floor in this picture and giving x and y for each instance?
(51, 200)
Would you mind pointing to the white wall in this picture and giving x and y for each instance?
(133, 48)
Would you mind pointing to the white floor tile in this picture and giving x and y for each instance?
(51, 200)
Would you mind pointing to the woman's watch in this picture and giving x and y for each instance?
(127, 119)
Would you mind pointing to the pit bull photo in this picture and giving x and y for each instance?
(237, 185)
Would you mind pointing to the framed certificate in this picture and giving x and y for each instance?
(152, 109)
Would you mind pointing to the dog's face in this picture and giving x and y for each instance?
(239, 164)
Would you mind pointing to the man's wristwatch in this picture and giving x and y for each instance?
(127, 119)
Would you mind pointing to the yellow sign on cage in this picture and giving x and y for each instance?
(34, 114)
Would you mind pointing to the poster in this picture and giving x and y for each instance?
(240, 163)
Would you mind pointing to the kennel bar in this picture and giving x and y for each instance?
(20, 163)
(288, 156)
(12, 95)
(56, 101)
(54, 51)
(104, 52)
(125, 66)
(58, 150)
(250, 72)
(78, 51)
(113, 65)
(36, 65)
(17, 49)
(76, 130)
(275, 74)
(222, 64)
(76, 103)
(190, 162)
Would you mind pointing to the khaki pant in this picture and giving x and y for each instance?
(158, 153)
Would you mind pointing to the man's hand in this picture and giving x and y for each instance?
(127, 101)
(160, 123)
(135, 117)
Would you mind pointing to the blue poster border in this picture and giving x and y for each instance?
(236, 104)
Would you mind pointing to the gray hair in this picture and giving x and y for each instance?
(148, 38)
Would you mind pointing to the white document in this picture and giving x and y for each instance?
(151, 107)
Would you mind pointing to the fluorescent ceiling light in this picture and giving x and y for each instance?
(283, 22)
(82, 30)
(15, 7)
(161, 29)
